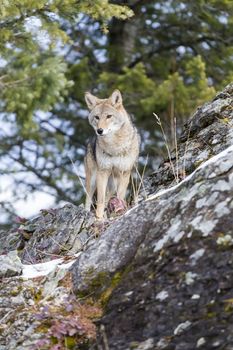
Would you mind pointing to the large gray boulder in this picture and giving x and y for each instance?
(163, 271)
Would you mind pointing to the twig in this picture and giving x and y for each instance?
(58, 256)
(176, 147)
(89, 238)
(167, 147)
(185, 151)
(7, 316)
(59, 245)
(141, 177)
(50, 254)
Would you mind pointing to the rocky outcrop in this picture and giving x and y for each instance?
(161, 274)
(163, 271)
(61, 231)
(170, 263)
(208, 132)
(38, 309)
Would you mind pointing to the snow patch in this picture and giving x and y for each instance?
(43, 269)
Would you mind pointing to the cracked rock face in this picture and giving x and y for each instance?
(208, 132)
(63, 231)
(164, 270)
(174, 257)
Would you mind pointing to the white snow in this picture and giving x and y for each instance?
(43, 269)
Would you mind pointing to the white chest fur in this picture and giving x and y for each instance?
(116, 163)
(118, 152)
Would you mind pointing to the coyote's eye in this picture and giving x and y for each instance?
(97, 117)
(109, 116)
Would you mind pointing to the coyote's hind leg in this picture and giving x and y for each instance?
(90, 170)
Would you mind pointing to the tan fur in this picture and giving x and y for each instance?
(116, 150)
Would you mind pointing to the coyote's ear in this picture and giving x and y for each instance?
(116, 98)
(91, 100)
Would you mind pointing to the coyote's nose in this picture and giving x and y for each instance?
(100, 131)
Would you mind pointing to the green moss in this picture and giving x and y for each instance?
(15, 292)
(134, 345)
(115, 280)
(228, 305)
(100, 280)
(211, 314)
(38, 296)
(101, 286)
(43, 328)
(70, 342)
(198, 163)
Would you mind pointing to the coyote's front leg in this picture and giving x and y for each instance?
(101, 181)
(123, 181)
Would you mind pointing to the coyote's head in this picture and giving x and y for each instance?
(106, 115)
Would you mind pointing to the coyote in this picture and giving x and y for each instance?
(112, 153)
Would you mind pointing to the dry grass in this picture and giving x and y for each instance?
(138, 182)
(178, 173)
(174, 168)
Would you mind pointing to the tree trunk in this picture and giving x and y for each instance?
(122, 37)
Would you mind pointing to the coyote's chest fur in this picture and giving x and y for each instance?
(110, 159)
(117, 155)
